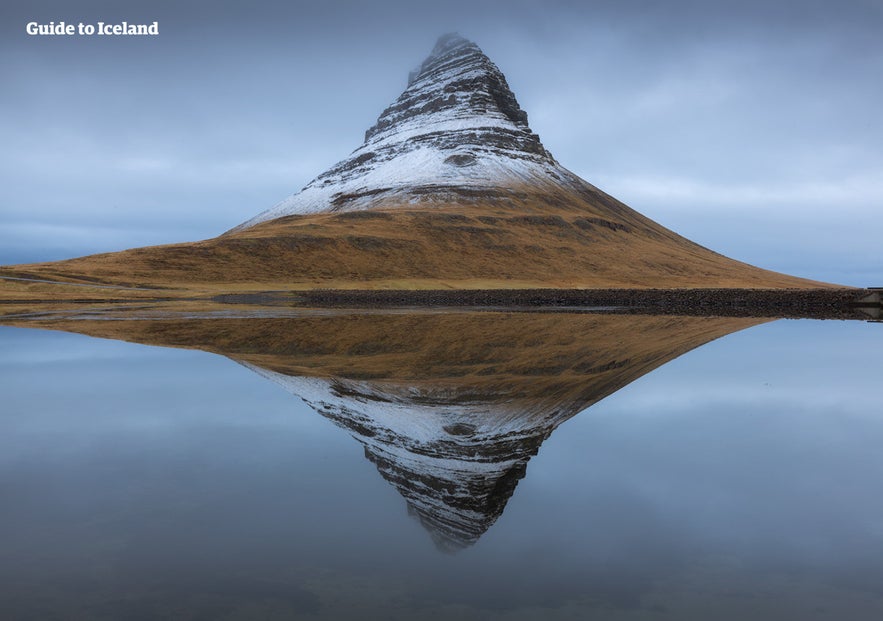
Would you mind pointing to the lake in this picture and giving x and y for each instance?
(435, 465)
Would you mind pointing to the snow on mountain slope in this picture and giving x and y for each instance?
(456, 127)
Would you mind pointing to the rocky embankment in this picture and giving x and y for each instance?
(810, 303)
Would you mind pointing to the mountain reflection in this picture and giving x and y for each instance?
(449, 406)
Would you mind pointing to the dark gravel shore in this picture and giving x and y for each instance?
(811, 303)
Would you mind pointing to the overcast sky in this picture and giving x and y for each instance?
(754, 128)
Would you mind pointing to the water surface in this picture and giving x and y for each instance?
(482, 467)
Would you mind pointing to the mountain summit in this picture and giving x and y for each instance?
(455, 128)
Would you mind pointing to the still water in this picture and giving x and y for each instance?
(437, 466)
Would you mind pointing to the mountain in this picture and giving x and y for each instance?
(450, 189)
(455, 133)
(450, 407)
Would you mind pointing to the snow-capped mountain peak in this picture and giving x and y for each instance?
(456, 128)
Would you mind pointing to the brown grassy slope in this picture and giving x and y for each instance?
(39, 294)
(539, 360)
(553, 237)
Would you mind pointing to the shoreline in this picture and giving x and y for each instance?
(852, 304)
(812, 303)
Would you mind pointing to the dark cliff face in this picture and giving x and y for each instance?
(458, 101)
(456, 54)
(455, 510)
(458, 81)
